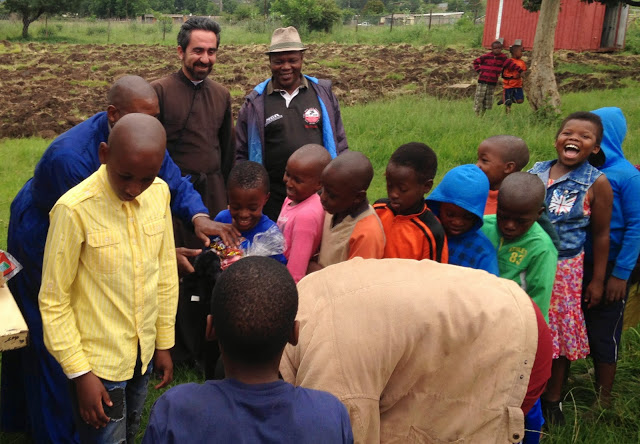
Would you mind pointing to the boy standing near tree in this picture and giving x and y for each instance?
(489, 66)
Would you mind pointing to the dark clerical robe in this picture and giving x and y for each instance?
(198, 122)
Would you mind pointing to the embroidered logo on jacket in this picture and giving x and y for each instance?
(311, 116)
(562, 202)
(272, 119)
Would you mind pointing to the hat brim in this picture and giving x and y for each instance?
(285, 48)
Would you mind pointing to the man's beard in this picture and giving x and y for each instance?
(198, 75)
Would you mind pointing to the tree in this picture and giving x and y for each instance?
(31, 10)
(373, 7)
(542, 89)
(311, 15)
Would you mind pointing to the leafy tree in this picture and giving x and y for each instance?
(31, 10)
(373, 7)
(312, 15)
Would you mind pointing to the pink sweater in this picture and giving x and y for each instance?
(301, 225)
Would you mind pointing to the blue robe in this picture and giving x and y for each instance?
(34, 393)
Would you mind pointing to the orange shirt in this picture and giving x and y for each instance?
(492, 203)
(415, 236)
(508, 75)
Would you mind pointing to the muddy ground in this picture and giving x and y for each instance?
(46, 89)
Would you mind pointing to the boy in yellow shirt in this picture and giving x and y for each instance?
(110, 284)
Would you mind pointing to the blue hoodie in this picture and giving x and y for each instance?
(467, 187)
(625, 182)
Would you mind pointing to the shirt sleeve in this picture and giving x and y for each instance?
(185, 200)
(156, 430)
(167, 287)
(367, 239)
(489, 263)
(540, 276)
(628, 254)
(61, 258)
(241, 134)
(541, 370)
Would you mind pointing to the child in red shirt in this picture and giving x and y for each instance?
(512, 79)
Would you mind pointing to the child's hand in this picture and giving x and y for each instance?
(616, 289)
(594, 292)
(91, 395)
(205, 228)
(163, 366)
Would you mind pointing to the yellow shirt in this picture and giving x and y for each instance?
(109, 279)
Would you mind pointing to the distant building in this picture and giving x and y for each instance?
(437, 18)
(581, 26)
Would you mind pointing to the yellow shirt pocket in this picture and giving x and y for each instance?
(153, 235)
(103, 253)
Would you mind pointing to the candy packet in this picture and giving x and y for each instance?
(9, 266)
(266, 243)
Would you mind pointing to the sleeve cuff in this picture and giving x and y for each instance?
(621, 273)
(78, 374)
(76, 364)
(165, 338)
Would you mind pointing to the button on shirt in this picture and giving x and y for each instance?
(109, 280)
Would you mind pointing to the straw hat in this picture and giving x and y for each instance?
(284, 40)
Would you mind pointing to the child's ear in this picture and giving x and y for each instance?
(295, 333)
(210, 332)
(361, 196)
(103, 152)
(266, 198)
(540, 211)
(428, 185)
(510, 167)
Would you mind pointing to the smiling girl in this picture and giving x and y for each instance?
(579, 198)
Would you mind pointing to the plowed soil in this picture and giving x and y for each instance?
(46, 89)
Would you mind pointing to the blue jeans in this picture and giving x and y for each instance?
(128, 399)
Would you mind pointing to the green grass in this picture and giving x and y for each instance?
(243, 33)
(452, 129)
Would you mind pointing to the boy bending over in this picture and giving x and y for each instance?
(251, 405)
(110, 283)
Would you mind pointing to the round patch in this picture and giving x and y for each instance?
(311, 116)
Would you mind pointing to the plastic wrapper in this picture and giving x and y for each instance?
(9, 266)
(267, 243)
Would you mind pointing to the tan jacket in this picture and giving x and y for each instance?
(418, 351)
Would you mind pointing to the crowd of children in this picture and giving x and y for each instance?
(567, 232)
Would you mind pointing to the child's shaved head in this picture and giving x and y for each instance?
(345, 182)
(522, 188)
(520, 203)
(314, 155)
(135, 150)
(499, 156)
(355, 166)
(512, 149)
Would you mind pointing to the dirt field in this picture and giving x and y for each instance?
(46, 89)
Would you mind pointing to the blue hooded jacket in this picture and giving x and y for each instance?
(467, 187)
(625, 182)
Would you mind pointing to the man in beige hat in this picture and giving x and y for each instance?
(285, 112)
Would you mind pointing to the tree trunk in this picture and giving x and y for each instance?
(540, 83)
(25, 26)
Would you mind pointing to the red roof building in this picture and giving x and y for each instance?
(581, 26)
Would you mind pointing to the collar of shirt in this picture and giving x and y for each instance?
(304, 83)
(111, 195)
